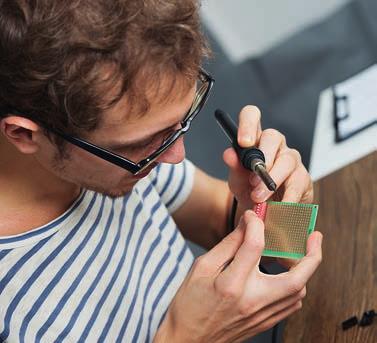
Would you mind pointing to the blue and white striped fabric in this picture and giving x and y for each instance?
(104, 271)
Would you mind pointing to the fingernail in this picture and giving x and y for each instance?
(246, 141)
(320, 239)
(249, 140)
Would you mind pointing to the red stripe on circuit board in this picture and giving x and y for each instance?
(260, 210)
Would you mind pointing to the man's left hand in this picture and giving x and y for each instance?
(283, 164)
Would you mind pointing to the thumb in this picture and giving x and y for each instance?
(232, 161)
(230, 158)
(248, 255)
(222, 253)
(236, 168)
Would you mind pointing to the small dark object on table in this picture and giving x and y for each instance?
(367, 318)
(349, 323)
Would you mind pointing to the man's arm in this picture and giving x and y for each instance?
(204, 215)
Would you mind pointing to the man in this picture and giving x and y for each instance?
(95, 97)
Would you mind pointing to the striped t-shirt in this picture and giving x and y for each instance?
(104, 271)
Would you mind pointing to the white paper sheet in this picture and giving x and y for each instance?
(328, 156)
(361, 101)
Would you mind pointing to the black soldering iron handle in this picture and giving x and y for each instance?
(246, 155)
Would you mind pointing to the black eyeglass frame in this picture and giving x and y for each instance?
(123, 162)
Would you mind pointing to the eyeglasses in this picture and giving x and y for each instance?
(204, 87)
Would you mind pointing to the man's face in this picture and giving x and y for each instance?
(133, 137)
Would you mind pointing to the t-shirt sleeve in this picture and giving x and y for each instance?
(174, 183)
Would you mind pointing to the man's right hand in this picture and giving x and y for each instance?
(226, 298)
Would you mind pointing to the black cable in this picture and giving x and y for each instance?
(274, 336)
(232, 217)
(231, 225)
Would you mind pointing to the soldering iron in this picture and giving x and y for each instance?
(251, 158)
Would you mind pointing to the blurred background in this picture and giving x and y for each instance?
(282, 56)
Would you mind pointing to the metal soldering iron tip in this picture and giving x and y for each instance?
(266, 178)
(272, 186)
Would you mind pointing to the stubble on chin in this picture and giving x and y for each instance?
(124, 187)
(111, 191)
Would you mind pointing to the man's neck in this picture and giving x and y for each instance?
(30, 195)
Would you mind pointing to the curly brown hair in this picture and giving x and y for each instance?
(60, 59)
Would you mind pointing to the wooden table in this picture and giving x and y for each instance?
(346, 282)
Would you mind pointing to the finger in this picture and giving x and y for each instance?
(232, 161)
(284, 166)
(298, 186)
(249, 126)
(277, 307)
(214, 260)
(278, 317)
(254, 180)
(297, 277)
(271, 141)
(248, 255)
(288, 283)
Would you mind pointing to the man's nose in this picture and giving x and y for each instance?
(175, 154)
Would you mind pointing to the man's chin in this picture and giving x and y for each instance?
(117, 192)
(124, 187)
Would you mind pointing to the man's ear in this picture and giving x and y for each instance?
(19, 131)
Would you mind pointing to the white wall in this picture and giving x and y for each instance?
(246, 28)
